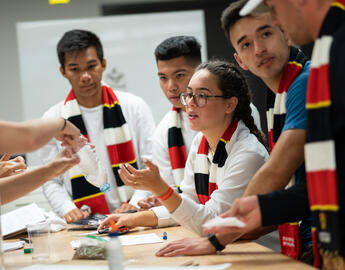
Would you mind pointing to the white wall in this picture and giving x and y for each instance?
(13, 105)
(13, 11)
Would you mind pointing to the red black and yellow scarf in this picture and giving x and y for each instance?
(119, 145)
(325, 148)
(276, 112)
(205, 176)
(177, 149)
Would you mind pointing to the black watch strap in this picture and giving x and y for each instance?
(214, 241)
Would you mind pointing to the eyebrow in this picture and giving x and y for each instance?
(263, 27)
(88, 62)
(257, 30)
(200, 89)
(176, 71)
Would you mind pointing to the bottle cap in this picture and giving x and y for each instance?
(105, 187)
(27, 250)
(114, 234)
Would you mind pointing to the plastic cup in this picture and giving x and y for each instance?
(39, 237)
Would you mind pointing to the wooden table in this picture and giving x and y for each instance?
(242, 255)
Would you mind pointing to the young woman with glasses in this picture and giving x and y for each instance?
(223, 157)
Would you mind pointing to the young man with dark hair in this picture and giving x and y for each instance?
(118, 124)
(262, 48)
(322, 21)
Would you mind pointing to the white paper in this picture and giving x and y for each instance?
(226, 222)
(12, 245)
(17, 219)
(104, 267)
(140, 239)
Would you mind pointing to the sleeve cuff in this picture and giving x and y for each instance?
(163, 216)
(184, 211)
(66, 207)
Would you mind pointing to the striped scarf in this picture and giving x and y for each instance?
(177, 149)
(206, 177)
(324, 149)
(119, 145)
(288, 233)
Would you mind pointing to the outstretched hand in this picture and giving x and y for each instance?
(246, 209)
(11, 167)
(63, 162)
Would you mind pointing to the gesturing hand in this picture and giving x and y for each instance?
(145, 179)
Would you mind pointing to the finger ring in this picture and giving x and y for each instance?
(135, 183)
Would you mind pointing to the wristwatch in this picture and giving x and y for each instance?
(214, 241)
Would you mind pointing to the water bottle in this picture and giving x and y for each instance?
(92, 168)
(114, 252)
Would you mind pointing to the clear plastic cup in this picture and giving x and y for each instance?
(39, 237)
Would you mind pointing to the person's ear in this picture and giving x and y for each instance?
(104, 64)
(62, 71)
(240, 62)
(231, 104)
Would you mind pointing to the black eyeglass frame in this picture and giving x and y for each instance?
(184, 95)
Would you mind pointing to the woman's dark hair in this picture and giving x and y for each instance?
(232, 83)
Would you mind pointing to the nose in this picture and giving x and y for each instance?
(190, 101)
(259, 47)
(172, 87)
(85, 76)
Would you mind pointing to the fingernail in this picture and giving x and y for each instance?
(120, 165)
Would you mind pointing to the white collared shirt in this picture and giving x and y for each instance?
(245, 156)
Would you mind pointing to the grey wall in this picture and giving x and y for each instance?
(13, 11)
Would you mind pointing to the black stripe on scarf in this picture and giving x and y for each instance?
(201, 183)
(81, 188)
(108, 117)
(175, 137)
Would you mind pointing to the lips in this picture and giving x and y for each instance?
(86, 87)
(265, 61)
(192, 115)
(174, 98)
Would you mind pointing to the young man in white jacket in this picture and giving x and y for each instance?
(118, 124)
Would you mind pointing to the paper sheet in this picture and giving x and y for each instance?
(12, 245)
(104, 267)
(17, 219)
(131, 240)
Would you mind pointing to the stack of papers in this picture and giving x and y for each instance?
(14, 222)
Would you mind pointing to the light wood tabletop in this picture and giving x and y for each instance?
(242, 255)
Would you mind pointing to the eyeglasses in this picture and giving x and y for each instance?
(200, 99)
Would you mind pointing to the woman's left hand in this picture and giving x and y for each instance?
(145, 179)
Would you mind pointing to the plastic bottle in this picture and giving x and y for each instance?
(114, 252)
(92, 169)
